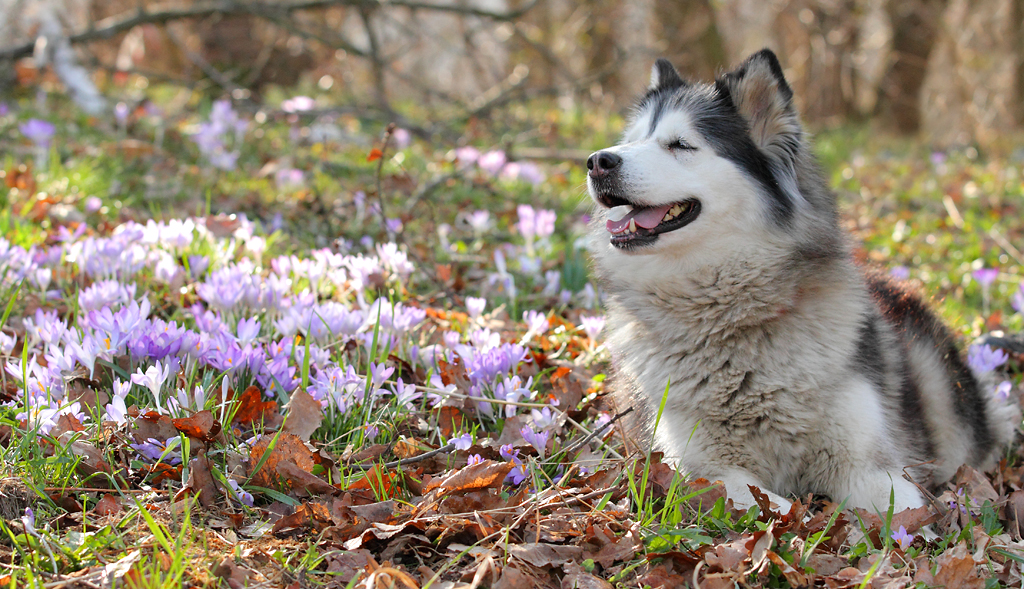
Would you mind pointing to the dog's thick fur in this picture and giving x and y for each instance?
(787, 367)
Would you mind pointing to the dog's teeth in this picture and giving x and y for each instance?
(632, 225)
(675, 210)
(619, 213)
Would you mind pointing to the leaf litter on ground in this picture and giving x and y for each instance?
(388, 433)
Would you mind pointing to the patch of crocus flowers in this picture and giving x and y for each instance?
(245, 321)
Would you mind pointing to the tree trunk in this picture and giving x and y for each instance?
(915, 26)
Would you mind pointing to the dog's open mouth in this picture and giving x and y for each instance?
(635, 226)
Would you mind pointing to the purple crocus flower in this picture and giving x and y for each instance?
(241, 494)
(371, 432)
(402, 137)
(1002, 391)
(985, 276)
(379, 373)
(985, 358)
(492, 161)
(544, 418)
(463, 442)
(531, 173)
(592, 325)
(38, 131)
(153, 379)
(486, 365)
(121, 112)
(29, 521)
(539, 223)
(902, 538)
(298, 104)
(248, 330)
(900, 272)
(479, 221)
(1017, 299)
(536, 322)
(467, 156)
(475, 306)
(538, 440)
(153, 449)
(405, 394)
(289, 178)
(93, 204)
(474, 459)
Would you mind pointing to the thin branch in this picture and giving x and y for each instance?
(163, 13)
(404, 461)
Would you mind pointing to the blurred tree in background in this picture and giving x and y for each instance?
(951, 70)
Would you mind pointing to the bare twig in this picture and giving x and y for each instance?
(404, 461)
(197, 60)
(163, 13)
(388, 132)
(596, 432)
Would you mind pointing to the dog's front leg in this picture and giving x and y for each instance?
(872, 490)
(737, 485)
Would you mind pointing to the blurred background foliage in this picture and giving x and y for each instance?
(951, 70)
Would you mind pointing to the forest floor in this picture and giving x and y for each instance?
(285, 347)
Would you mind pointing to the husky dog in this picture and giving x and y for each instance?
(732, 293)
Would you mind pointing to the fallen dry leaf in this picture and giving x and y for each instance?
(107, 505)
(154, 425)
(200, 481)
(253, 409)
(483, 475)
(201, 426)
(956, 568)
(300, 479)
(544, 555)
(1015, 513)
(577, 578)
(235, 576)
(287, 448)
(313, 514)
(304, 415)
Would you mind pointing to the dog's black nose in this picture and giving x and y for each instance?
(602, 162)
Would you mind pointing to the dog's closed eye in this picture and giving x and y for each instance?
(679, 145)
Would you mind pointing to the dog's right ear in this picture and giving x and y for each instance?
(665, 75)
(761, 95)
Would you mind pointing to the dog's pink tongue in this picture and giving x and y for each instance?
(646, 218)
(650, 218)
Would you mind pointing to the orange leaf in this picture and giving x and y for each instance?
(483, 475)
(375, 154)
(107, 505)
(251, 407)
(201, 426)
(383, 484)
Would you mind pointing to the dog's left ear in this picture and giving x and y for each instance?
(760, 93)
(664, 75)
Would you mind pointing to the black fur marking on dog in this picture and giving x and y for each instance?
(913, 321)
(869, 360)
(729, 135)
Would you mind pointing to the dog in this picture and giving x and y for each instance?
(733, 298)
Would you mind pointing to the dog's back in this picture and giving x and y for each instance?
(956, 418)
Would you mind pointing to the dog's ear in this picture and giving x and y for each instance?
(760, 93)
(664, 75)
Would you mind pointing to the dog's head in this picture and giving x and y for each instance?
(705, 169)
